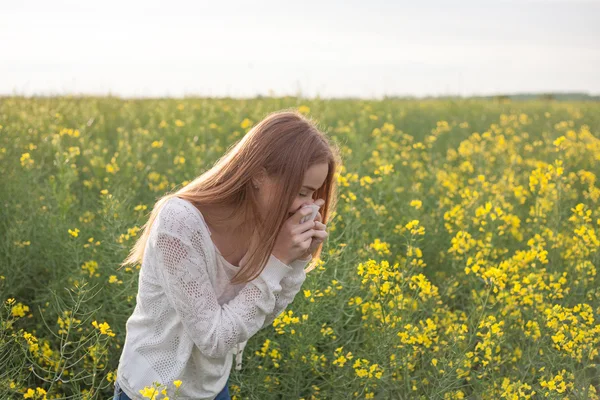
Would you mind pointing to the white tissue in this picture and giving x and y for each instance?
(315, 210)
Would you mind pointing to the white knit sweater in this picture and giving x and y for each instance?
(189, 320)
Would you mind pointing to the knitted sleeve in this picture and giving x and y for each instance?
(290, 286)
(182, 262)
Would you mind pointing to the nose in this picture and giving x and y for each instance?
(318, 202)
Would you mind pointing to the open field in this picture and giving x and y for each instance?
(461, 263)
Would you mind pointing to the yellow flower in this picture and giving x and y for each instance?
(559, 140)
(41, 392)
(149, 392)
(304, 109)
(246, 123)
(19, 310)
(74, 232)
(380, 247)
(26, 160)
(177, 383)
(416, 204)
(104, 328)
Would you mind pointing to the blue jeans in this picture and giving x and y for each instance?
(120, 395)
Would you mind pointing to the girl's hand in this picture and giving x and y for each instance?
(319, 236)
(294, 238)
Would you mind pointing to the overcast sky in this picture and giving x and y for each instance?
(366, 48)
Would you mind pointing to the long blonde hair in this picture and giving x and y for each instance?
(285, 144)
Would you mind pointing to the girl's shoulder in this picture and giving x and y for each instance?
(182, 212)
(179, 218)
(178, 203)
(186, 206)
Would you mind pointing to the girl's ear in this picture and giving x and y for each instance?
(259, 178)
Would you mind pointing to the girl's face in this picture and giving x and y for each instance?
(313, 179)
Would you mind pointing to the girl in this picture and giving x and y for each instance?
(223, 256)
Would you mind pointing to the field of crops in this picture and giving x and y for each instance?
(461, 262)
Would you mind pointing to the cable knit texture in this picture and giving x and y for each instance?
(189, 320)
